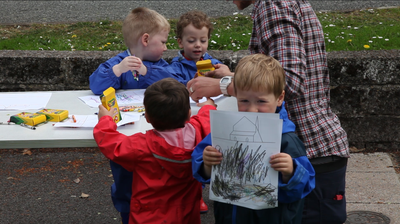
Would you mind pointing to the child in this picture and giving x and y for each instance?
(259, 83)
(193, 31)
(163, 190)
(145, 34)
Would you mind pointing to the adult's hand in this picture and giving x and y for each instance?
(203, 86)
(220, 71)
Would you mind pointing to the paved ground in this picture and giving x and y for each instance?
(73, 186)
(22, 12)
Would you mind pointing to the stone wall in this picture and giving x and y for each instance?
(365, 86)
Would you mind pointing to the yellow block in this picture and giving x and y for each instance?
(31, 119)
(204, 66)
(109, 101)
(54, 115)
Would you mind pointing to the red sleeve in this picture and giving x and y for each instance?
(201, 121)
(117, 147)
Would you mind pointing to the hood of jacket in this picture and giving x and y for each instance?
(175, 160)
(288, 125)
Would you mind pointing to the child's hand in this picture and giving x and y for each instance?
(220, 71)
(208, 102)
(130, 63)
(211, 156)
(283, 163)
(104, 112)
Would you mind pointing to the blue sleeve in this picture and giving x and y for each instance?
(197, 159)
(301, 183)
(104, 76)
(181, 71)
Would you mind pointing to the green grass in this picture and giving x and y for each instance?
(344, 31)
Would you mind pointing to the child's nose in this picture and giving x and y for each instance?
(252, 108)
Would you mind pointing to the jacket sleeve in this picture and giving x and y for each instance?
(116, 146)
(202, 120)
(197, 160)
(104, 77)
(181, 71)
(303, 179)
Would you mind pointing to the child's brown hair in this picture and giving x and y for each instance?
(197, 18)
(167, 104)
(259, 72)
(142, 20)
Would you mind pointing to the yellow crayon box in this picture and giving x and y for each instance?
(31, 119)
(109, 101)
(204, 66)
(54, 115)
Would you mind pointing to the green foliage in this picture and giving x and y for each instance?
(371, 29)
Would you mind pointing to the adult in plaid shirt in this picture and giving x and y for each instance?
(291, 32)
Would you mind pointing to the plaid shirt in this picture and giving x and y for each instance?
(290, 32)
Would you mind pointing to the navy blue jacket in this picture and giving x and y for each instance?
(104, 76)
(187, 68)
(290, 195)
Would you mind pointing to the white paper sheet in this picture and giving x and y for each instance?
(89, 121)
(124, 98)
(246, 140)
(24, 101)
(204, 99)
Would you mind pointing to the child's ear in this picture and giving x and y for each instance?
(147, 118)
(145, 39)
(180, 43)
(281, 98)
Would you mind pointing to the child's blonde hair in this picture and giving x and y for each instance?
(197, 18)
(142, 20)
(259, 72)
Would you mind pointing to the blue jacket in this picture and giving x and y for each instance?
(104, 76)
(290, 195)
(187, 68)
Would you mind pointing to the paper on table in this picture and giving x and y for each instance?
(89, 121)
(204, 99)
(124, 98)
(24, 101)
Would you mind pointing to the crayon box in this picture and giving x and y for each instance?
(31, 119)
(204, 66)
(109, 101)
(54, 115)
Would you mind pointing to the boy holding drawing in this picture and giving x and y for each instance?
(259, 83)
(145, 34)
(163, 189)
(193, 31)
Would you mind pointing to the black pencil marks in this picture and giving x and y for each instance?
(243, 172)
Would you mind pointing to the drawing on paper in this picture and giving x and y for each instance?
(244, 175)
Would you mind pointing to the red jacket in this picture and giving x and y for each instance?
(163, 187)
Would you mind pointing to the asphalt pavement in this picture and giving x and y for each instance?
(24, 12)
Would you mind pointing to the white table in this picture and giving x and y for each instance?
(47, 136)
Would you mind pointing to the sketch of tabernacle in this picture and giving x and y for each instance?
(246, 140)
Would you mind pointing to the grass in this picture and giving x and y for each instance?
(371, 29)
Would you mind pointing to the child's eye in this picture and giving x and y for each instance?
(261, 101)
(243, 101)
(203, 41)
